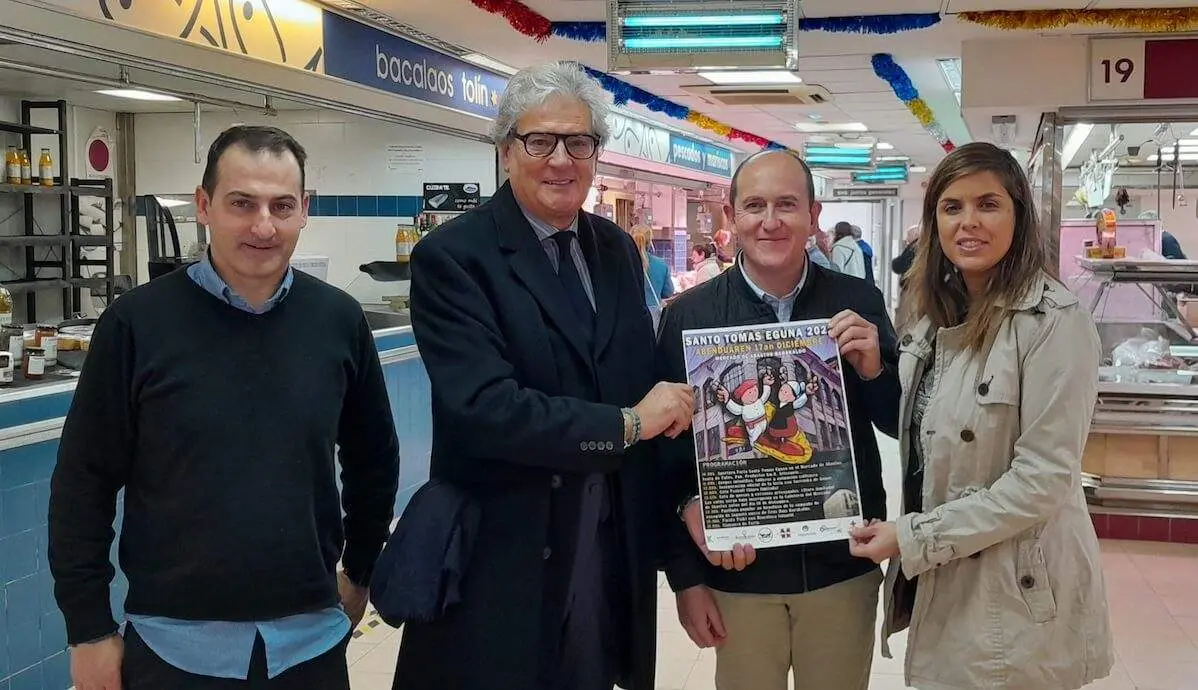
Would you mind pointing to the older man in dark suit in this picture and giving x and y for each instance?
(530, 317)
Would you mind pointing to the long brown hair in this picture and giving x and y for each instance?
(935, 287)
(641, 236)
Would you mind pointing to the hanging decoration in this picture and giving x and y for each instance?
(890, 71)
(622, 92)
(1148, 20)
(535, 25)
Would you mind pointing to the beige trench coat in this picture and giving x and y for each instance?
(1010, 592)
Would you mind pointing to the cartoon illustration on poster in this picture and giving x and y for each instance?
(773, 445)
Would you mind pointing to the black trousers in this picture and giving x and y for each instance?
(144, 670)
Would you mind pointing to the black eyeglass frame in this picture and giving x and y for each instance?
(559, 140)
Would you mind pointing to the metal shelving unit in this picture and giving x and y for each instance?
(66, 257)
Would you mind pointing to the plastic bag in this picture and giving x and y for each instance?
(1148, 350)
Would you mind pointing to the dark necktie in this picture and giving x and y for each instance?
(567, 273)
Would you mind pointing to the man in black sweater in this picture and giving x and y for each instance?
(807, 608)
(215, 396)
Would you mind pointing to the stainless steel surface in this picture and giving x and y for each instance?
(380, 317)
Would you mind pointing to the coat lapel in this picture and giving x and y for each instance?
(532, 268)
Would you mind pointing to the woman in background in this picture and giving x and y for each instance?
(994, 564)
(657, 271)
(706, 265)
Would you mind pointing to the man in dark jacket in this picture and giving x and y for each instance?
(810, 608)
(531, 320)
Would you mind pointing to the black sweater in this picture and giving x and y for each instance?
(221, 427)
(727, 300)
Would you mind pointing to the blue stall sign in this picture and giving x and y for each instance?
(697, 155)
(370, 57)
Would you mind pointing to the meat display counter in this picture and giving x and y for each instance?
(1142, 454)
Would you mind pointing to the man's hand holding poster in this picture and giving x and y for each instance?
(773, 444)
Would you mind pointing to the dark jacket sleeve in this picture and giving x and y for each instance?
(883, 395)
(369, 452)
(473, 385)
(94, 458)
(902, 263)
(684, 565)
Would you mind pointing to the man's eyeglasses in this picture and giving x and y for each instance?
(543, 144)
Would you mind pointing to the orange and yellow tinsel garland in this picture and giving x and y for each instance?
(1157, 20)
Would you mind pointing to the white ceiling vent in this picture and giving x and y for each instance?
(789, 94)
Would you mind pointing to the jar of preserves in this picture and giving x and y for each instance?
(12, 340)
(35, 363)
(6, 368)
(46, 337)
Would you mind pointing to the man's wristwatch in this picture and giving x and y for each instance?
(632, 427)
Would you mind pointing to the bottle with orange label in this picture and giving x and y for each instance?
(12, 166)
(45, 169)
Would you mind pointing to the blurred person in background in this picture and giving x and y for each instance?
(846, 253)
(867, 253)
(994, 564)
(705, 264)
(657, 270)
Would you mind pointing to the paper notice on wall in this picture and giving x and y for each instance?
(406, 159)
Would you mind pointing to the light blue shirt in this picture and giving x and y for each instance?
(782, 306)
(818, 257)
(220, 649)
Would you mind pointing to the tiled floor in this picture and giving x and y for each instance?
(1153, 590)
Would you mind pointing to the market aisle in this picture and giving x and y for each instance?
(1154, 607)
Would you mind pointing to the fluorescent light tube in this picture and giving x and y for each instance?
(883, 146)
(1073, 143)
(138, 95)
(489, 63)
(816, 128)
(703, 42)
(774, 76)
(704, 20)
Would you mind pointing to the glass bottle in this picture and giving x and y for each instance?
(45, 169)
(6, 305)
(12, 166)
(26, 168)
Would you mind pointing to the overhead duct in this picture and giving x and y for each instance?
(790, 94)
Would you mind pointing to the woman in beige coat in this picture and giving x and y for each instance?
(994, 564)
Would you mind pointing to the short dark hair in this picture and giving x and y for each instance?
(704, 249)
(843, 229)
(255, 139)
(765, 152)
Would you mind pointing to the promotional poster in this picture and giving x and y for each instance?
(773, 445)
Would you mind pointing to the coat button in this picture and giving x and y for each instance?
(967, 436)
(984, 389)
(557, 481)
(906, 339)
(1027, 582)
(546, 553)
(582, 445)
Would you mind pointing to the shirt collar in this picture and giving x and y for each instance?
(545, 230)
(206, 275)
(762, 294)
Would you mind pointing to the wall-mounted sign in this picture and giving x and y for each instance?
(865, 192)
(285, 32)
(639, 139)
(97, 153)
(1139, 69)
(364, 55)
(451, 196)
(299, 34)
(697, 155)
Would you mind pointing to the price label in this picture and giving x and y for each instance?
(1117, 69)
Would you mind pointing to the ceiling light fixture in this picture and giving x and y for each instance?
(883, 146)
(139, 95)
(950, 68)
(918, 169)
(752, 77)
(1073, 143)
(489, 63)
(812, 128)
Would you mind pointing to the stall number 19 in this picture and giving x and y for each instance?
(1123, 68)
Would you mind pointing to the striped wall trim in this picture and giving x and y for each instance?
(29, 434)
